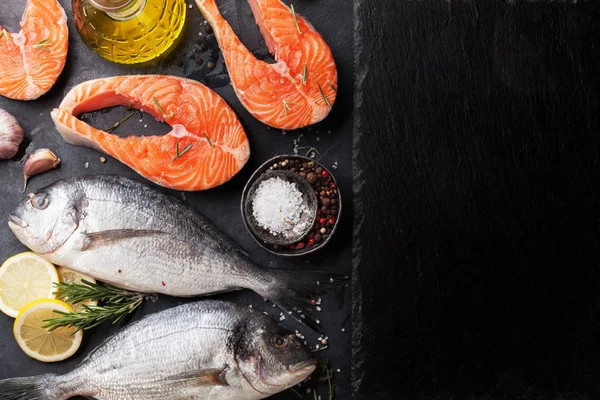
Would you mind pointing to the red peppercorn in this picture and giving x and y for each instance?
(292, 247)
(313, 302)
(331, 221)
(300, 245)
(318, 212)
(322, 221)
(311, 242)
(324, 173)
(333, 185)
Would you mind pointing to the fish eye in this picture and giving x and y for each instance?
(39, 201)
(279, 342)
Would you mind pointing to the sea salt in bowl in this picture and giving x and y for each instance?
(291, 205)
(280, 208)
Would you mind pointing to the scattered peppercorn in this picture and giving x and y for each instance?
(311, 242)
(300, 245)
(324, 173)
(210, 65)
(102, 159)
(331, 221)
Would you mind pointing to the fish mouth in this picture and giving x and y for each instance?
(304, 366)
(14, 220)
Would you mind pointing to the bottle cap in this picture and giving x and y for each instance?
(109, 5)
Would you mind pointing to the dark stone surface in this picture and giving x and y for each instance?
(332, 137)
(477, 170)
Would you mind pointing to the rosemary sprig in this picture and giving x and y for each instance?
(327, 375)
(42, 44)
(332, 87)
(2, 33)
(304, 75)
(118, 304)
(185, 150)
(295, 392)
(209, 141)
(324, 96)
(131, 114)
(295, 18)
(161, 109)
(315, 394)
(286, 106)
(93, 316)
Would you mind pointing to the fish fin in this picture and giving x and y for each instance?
(42, 387)
(295, 291)
(104, 238)
(203, 377)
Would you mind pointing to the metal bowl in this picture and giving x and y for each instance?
(267, 240)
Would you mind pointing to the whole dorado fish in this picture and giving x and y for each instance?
(122, 232)
(209, 350)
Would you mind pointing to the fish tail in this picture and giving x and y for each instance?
(41, 387)
(296, 292)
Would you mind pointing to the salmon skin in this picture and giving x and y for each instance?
(206, 147)
(300, 88)
(32, 60)
(120, 231)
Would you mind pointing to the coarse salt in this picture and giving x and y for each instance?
(278, 207)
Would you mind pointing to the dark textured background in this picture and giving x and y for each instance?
(221, 205)
(477, 170)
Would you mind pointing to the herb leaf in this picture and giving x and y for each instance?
(332, 87)
(161, 109)
(304, 75)
(185, 150)
(119, 304)
(209, 141)
(131, 114)
(42, 44)
(295, 18)
(286, 106)
(324, 96)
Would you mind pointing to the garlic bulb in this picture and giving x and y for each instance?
(40, 161)
(11, 135)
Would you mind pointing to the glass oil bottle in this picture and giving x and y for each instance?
(130, 31)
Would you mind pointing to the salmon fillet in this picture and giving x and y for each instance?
(300, 88)
(32, 60)
(206, 147)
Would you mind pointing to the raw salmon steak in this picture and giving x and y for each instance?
(32, 60)
(206, 147)
(300, 88)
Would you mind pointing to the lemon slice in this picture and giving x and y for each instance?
(70, 276)
(37, 342)
(24, 278)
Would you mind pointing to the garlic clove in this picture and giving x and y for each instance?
(40, 161)
(11, 135)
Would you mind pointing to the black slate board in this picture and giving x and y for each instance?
(476, 168)
(332, 137)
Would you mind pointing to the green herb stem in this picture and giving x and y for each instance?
(209, 141)
(304, 75)
(295, 18)
(324, 96)
(42, 44)
(185, 150)
(118, 304)
(131, 114)
(161, 109)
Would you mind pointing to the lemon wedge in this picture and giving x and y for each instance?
(38, 342)
(23, 278)
(70, 276)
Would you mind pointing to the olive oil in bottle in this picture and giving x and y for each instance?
(129, 31)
